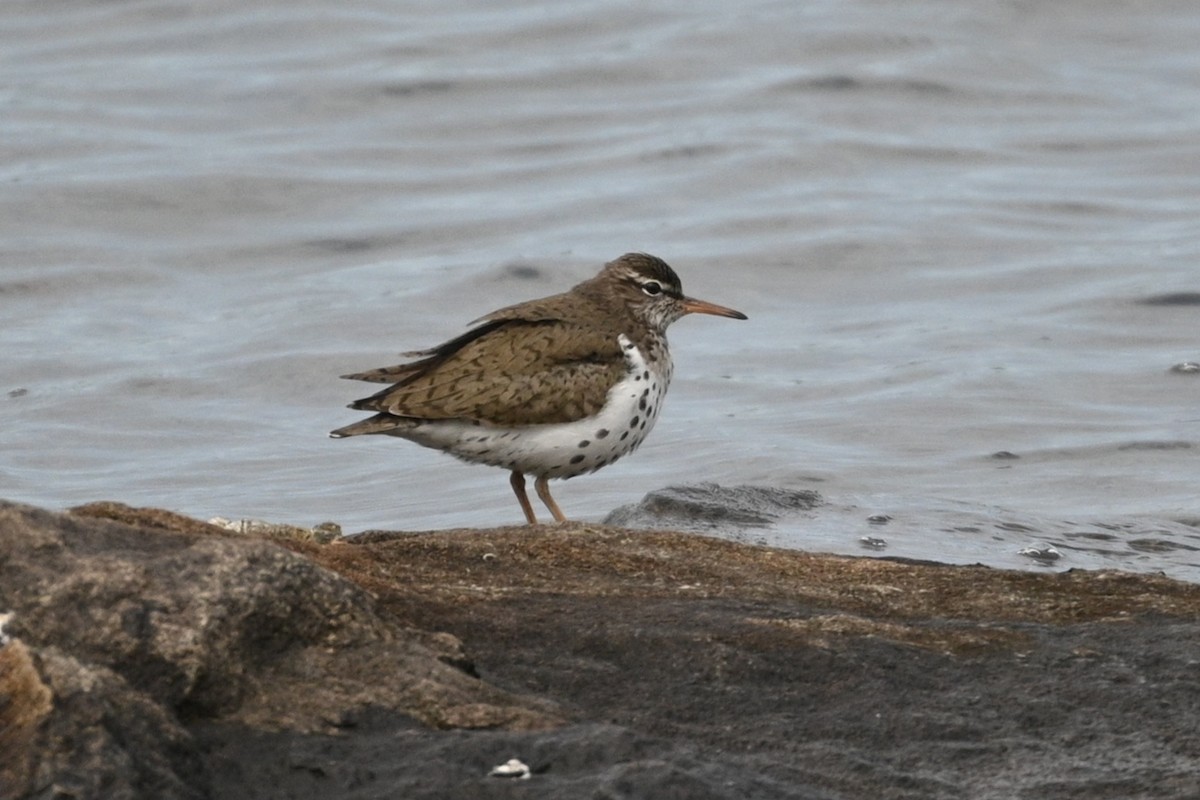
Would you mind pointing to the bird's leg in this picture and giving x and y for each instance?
(518, 485)
(542, 484)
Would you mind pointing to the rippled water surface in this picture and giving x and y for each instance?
(965, 235)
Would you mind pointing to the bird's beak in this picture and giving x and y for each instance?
(693, 306)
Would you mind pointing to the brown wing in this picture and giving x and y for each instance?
(411, 369)
(544, 310)
(506, 372)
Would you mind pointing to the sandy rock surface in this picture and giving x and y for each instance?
(158, 656)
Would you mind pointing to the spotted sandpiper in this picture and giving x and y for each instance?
(552, 388)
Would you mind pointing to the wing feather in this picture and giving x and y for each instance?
(505, 372)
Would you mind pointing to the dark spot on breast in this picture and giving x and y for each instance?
(644, 423)
(577, 459)
(642, 402)
(637, 377)
(624, 435)
(633, 422)
(600, 434)
(584, 443)
(646, 374)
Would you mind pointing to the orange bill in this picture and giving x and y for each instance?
(693, 306)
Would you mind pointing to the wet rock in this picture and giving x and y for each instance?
(1172, 299)
(384, 758)
(522, 270)
(708, 506)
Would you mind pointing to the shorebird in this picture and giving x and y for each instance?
(553, 388)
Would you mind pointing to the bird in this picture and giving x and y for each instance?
(552, 388)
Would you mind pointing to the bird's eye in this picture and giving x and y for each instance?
(652, 288)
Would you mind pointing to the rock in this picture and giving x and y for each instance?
(709, 506)
(585, 760)
(121, 635)
(324, 533)
(755, 672)
(149, 663)
(25, 702)
(95, 736)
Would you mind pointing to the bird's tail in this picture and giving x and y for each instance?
(380, 423)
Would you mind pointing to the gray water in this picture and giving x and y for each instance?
(958, 229)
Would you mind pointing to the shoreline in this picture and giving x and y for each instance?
(602, 657)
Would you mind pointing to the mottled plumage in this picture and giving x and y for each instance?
(553, 387)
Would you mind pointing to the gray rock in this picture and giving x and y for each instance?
(127, 634)
(708, 506)
(143, 663)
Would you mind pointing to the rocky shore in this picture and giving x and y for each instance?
(150, 655)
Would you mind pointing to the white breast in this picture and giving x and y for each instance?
(567, 449)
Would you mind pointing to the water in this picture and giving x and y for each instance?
(943, 219)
